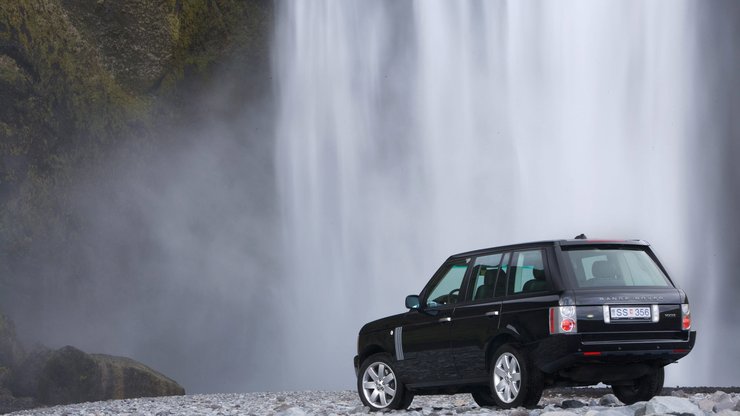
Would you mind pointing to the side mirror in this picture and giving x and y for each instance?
(412, 302)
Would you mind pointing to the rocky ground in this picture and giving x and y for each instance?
(585, 402)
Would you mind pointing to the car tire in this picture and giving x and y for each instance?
(379, 387)
(641, 389)
(514, 380)
(408, 397)
(483, 398)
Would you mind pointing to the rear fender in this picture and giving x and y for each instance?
(508, 335)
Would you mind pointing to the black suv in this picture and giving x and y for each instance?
(506, 322)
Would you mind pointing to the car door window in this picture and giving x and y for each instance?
(447, 290)
(500, 290)
(527, 273)
(485, 271)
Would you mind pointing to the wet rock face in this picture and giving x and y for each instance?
(78, 78)
(69, 376)
(56, 95)
(24, 382)
(123, 378)
(15, 86)
(135, 37)
(73, 376)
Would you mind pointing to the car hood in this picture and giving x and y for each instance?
(383, 323)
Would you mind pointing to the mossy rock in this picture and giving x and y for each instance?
(73, 376)
(124, 378)
(79, 78)
(25, 380)
(133, 38)
(70, 376)
(9, 403)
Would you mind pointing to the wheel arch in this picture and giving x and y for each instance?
(506, 337)
(370, 350)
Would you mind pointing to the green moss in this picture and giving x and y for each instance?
(10, 73)
(193, 25)
(69, 111)
(205, 31)
(67, 72)
(72, 111)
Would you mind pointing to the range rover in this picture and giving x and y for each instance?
(507, 322)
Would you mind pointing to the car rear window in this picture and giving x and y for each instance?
(605, 267)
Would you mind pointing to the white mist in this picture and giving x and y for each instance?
(408, 131)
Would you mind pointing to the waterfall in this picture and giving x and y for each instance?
(409, 131)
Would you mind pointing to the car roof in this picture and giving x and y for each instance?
(545, 243)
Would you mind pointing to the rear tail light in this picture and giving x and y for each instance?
(563, 320)
(685, 317)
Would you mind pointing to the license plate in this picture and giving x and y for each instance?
(630, 312)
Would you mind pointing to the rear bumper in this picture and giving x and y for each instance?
(357, 365)
(562, 352)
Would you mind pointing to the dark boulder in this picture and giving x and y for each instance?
(572, 404)
(69, 376)
(9, 403)
(73, 376)
(24, 382)
(124, 378)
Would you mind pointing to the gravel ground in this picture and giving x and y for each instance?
(561, 402)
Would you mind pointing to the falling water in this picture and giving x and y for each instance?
(408, 131)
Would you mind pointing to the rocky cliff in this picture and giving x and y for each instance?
(79, 81)
(76, 77)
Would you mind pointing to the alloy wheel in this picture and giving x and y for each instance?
(379, 384)
(507, 377)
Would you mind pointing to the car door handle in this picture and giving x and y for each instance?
(492, 314)
(445, 319)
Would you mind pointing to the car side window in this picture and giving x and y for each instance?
(485, 271)
(447, 290)
(527, 273)
(501, 284)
